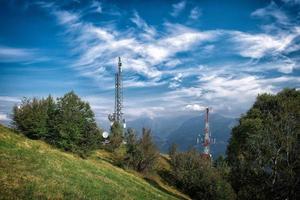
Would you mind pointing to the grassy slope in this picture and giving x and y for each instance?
(32, 169)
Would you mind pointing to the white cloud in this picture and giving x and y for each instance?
(195, 13)
(272, 10)
(178, 8)
(11, 54)
(66, 17)
(149, 56)
(176, 80)
(97, 6)
(4, 117)
(150, 32)
(194, 107)
(292, 2)
(259, 45)
(98, 47)
(9, 98)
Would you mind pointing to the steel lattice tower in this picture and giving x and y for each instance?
(206, 141)
(117, 116)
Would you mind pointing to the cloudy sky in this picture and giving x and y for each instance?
(178, 56)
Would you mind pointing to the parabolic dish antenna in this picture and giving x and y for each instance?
(105, 134)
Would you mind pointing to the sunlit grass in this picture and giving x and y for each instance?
(32, 169)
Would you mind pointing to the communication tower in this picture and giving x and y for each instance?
(117, 115)
(206, 141)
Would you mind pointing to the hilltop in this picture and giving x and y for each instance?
(33, 169)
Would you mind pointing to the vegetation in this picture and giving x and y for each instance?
(31, 169)
(264, 150)
(263, 156)
(115, 137)
(68, 123)
(141, 155)
(195, 175)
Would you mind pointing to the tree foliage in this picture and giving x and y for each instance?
(195, 175)
(68, 123)
(263, 152)
(115, 137)
(141, 155)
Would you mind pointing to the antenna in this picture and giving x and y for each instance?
(117, 116)
(206, 142)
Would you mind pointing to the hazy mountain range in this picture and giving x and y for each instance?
(183, 131)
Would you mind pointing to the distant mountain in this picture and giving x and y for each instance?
(186, 135)
(161, 127)
(183, 131)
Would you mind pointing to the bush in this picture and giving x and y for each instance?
(68, 124)
(141, 155)
(196, 176)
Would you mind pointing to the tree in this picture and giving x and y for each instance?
(133, 155)
(115, 137)
(263, 151)
(51, 135)
(31, 118)
(149, 153)
(195, 175)
(75, 125)
(68, 124)
(141, 155)
(172, 151)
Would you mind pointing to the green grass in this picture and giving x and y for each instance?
(32, 169)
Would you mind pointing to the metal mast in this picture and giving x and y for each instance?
(206, 141)
(117, 116)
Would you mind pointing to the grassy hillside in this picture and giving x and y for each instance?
(32, 169)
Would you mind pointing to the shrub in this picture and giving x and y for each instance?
(141, 155)
(196, 176)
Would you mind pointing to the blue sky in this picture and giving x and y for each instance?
(178, 56)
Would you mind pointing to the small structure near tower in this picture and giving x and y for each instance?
(117, 115)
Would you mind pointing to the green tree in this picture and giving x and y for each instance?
(51, 135)
(195, 175)
(115, 137)
(141, 155)
(133, 155)
(263, 152)
(149, 152)
(31, 118)
(172, 151)
(68, 123)
(75, 125)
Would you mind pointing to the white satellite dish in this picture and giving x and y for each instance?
(105, 134)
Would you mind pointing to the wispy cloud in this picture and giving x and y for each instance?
(195, 13)
(178, 8)
(97, 6)
(292, 2)
(260, 45)
(167, 59)
(194, 107)
(143, 50)
(271, 11)
(12, 54)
